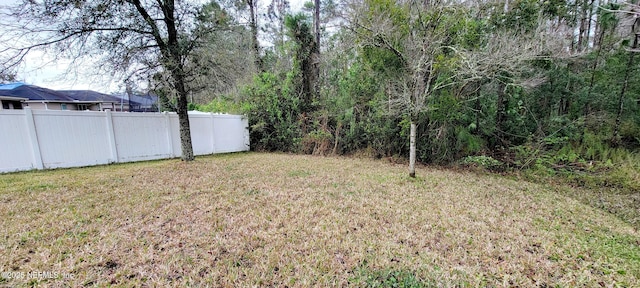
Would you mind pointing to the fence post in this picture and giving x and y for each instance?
(111, 135)
(213, 133)
(167, 122)
(33, 137)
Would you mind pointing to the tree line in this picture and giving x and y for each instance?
(523, 84)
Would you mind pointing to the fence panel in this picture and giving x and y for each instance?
(72, 139)
(140, 136)
(175, 132)
(230, 133)
(15, 146)
(202, 128)
(37, 139)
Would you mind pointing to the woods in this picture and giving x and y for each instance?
(503, 85)
(550, 86)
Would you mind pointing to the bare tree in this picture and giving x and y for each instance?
(7, 76)
(137, 37)
(417, 34)
(276, 12)
(426, 39)
(219, 64)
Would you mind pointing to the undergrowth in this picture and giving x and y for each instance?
(608, 177)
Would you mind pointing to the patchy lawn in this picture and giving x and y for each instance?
(256, 219)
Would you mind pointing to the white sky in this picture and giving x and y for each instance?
(40, 69)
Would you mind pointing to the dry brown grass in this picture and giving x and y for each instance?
(284, 220)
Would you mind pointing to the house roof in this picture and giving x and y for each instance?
(11, 98)
(32, 92)
(90, 96)
(36, 93)
(11, 86)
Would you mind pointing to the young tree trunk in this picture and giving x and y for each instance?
(587, 107)
(337, 138)
(565, 96)
(597, 32)
(412, 150)
(575, 41)
(589, 24)
(583, 26)
(478, 108)
(315, 57)
(501, 114)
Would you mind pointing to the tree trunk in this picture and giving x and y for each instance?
(316, 22)
(565, 96)
(573, 39)
(589, 24)
(315, 57)
(182, 109)
(309, 80)
(625, 85)
(171, 54)
(254, 33)
(412, 150)
(501, 113)
(583, 26)
(597, 31)
(478, 108)
(587, 107)
(185, 129)
(337, 138)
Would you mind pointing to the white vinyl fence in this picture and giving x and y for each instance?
(43, 139)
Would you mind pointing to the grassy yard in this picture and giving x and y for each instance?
(257, 219)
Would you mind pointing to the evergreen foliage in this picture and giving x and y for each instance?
(507, 85)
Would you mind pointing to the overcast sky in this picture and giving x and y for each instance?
(41, 70)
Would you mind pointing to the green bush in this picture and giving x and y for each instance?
(273, 110)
